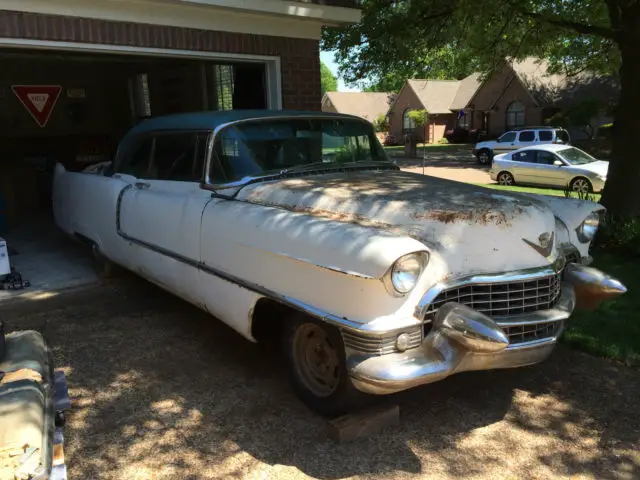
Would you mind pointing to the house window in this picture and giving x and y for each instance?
(515, 115)
(464, 119)
(408, 123)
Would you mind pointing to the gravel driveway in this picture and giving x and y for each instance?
(452, 163)
(161, 390)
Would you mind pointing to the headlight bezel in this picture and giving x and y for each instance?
(588, 229)
(391, 280)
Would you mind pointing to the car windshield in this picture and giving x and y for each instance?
(263, 147)
(575, 156)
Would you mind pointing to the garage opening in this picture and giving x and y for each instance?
(73, 108)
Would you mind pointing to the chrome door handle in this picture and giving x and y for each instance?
(142, 185)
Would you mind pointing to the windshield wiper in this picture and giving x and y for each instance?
(315, 165)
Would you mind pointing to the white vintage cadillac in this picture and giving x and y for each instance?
(297, 226)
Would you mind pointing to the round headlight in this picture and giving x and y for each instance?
(587, 229)
(406, 272)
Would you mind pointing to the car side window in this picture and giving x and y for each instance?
(545, 135)
(527, 136)
(545, 158)
(527, 156)
(136, 161)
(507, 137)
(174, 157)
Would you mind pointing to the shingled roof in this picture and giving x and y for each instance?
(367, 105)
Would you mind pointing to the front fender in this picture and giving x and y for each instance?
(571, 212)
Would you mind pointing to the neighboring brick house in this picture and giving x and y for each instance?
(438, 97)
(525, 93)
(367, 105)
(519, 94)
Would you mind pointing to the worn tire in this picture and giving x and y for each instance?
(345, 397)
(484, 157)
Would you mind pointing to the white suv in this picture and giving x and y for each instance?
(519, 138)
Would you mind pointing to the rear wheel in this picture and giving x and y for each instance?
(581, 185)
(316, 364)
(484, 157)
(506, 179)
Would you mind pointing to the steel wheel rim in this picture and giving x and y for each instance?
(505, 179)
(316, 360)
(581, 186)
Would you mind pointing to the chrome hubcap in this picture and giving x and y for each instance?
(316, 360)
(581, 186)
(505, 179)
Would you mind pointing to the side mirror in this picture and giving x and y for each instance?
(558, 163)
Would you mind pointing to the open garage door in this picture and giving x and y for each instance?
(74, 107)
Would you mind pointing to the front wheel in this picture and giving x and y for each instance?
(316, 364)
(506, 179)
(484, 157)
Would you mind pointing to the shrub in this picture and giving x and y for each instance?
(619, 235)
(606, 131)
(443, 141)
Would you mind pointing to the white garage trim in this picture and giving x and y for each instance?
(273, 72)
(178, 13)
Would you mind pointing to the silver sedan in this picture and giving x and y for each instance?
(551, 165)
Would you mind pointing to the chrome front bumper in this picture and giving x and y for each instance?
(463, 339)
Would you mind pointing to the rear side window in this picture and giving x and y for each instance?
(527, 136)
(545, 135)
(174, 157)
(136, 161)
(527, 156)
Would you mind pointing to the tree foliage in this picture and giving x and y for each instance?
(381, 123)
(419, 117)
(328, 81)
(403, 36)
(453, 38)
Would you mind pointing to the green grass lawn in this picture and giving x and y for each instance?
(613, 330)
(539, 191)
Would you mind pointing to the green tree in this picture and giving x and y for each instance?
(598, 35)
(328, 81)
(381, 123)
(420, 118)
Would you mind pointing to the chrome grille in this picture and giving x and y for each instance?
(377, 346)
(530, 332)
(501, 299)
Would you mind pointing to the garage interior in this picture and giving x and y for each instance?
(102, 96)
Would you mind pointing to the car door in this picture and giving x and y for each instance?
(523, 166)
(546, 172)
(506, 143)
(160, 214)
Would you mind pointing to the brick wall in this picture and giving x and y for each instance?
(300, 60)
(406, 99)
(497, 93)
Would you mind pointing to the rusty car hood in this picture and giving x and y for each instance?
(478, 228)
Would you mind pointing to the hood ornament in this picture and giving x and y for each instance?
(546, 244)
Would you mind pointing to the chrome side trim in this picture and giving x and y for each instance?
(483, 279)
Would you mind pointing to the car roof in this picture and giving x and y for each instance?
(551, 147)
(539, 127)
(209, 120)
